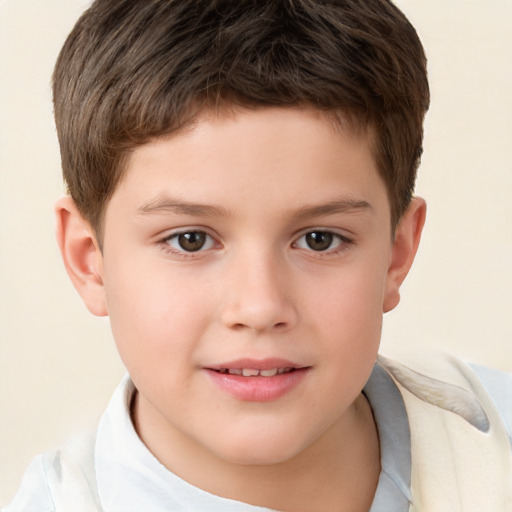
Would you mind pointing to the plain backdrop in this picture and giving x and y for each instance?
(58, 364)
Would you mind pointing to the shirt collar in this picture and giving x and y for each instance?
(394, 487)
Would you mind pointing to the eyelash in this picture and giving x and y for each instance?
(164, 243)
(344, 243)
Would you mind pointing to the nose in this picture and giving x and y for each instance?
(259, 295)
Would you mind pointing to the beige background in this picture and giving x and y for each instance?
(58, 364)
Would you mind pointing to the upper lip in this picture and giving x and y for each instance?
(256, 364)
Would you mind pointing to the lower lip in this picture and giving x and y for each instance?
(258, 389)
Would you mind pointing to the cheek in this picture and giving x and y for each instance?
(350, 316)
(352, 301)
(155, 316)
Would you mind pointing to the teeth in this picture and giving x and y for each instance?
(251, 372)
(248, 372)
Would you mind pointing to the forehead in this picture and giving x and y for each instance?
(254, 154)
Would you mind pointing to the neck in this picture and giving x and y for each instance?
(342, 466)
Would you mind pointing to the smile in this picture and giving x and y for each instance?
(253, 380)
(252, 372)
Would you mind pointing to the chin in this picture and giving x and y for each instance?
(260, 449)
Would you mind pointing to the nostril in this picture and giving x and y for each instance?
(241, 326)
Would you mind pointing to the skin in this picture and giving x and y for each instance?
(256, 182)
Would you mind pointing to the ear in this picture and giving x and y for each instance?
(81, 255)
(405, 244)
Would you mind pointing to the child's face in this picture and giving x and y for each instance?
(256, 241)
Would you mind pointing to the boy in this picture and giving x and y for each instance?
(241, 178)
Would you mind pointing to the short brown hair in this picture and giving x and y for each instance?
(133, 70)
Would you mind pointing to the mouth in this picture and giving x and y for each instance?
(249, 367)
(258, 380)
(253, 372)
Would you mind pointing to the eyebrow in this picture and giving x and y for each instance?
(175, 205)
(333, 207)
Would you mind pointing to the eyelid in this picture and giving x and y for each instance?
(344, 241)
(163, 241)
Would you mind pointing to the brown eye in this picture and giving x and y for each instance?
(190, 241)
(319, 240)
(193, 241)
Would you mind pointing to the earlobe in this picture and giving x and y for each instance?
(81, 255)
(405, 245)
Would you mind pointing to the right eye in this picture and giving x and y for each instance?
(190, 241)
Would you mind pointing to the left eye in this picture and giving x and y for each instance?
(190, 241)
(320, 241)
